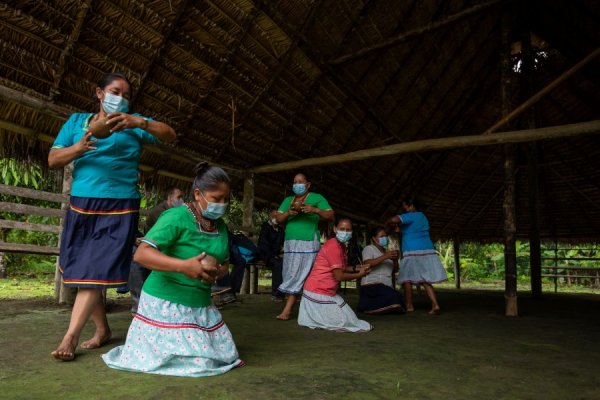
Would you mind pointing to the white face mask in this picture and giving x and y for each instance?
(273, 221)
(114, 103)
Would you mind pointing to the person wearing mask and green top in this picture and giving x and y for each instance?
(300, 214)
(176, 330)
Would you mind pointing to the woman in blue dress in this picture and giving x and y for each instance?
(420, 263)
(100, 226)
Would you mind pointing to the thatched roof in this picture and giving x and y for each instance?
(247, 83)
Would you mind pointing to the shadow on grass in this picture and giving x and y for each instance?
(470, 351)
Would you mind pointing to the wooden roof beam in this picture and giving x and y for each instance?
(68, 50)
(158, 53)
(528, 135)
(536, 97)
(63, 113)
(394, 40)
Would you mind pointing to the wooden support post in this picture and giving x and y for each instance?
(62, 294)
(456, 245)
(510, 223)
(248, 203)
(527, 87)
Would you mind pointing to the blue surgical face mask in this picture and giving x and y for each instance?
(383, 241)
(299, 189)
(113, 103)
(177, 203)
(213, 210)
(343, 236)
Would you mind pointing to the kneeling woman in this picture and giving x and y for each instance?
(377, 294)
(176, 330)
(321, 306)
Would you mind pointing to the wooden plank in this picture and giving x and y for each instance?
(455, 142)
(28, 248)
(26, 226)
(248, 203)
(33, 194)
(28, 210)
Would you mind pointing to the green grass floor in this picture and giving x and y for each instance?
(471, 351)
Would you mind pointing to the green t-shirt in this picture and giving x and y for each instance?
(303, 226)
(177, 235)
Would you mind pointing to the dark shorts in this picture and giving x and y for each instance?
(97, 240)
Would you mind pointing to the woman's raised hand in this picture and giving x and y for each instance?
(85, 143)
(364, 269)
(308, 209)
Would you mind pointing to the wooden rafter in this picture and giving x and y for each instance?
(159, 52)
(68, 50)
(414, 32)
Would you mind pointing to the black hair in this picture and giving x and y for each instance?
(340, 219)
(302, 173)
(113, 76)
(375, 230)
(169, 191)
(208, 178)
(411, 201)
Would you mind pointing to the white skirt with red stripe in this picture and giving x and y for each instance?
(420, 266)
(319, 311)
(172, 339)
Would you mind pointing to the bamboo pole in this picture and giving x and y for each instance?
(414, 32)
(528, 135)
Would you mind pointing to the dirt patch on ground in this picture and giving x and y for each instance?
(470, 351)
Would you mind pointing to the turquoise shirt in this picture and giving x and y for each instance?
(415, 231)
(110, 171)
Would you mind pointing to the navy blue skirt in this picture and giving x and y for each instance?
(97, 241)
(380, 299)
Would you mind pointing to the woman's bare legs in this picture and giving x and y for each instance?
(435, 307)
(86, 302)
(408, 296)
(287, 309)
(103, 333)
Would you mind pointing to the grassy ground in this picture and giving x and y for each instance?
(471, 351)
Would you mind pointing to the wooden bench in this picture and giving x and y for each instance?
(250, 281)
(570, 274)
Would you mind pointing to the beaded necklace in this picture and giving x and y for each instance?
(204, 224)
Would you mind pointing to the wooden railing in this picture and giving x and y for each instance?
(30, 210)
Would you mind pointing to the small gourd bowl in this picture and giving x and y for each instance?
(100, 129)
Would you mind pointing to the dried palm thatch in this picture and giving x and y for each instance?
(248, 83)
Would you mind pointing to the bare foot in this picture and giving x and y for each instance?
(66, 349)
(435, 311)
(410, 309)
(283, 317)
(97, 340)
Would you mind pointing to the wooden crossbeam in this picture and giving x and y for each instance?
(528, 135)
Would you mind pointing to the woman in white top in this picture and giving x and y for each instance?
(377, 294)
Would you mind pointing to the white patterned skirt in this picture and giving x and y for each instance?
(319, 311)
(298, 259)
(421, 266)
(172, 339)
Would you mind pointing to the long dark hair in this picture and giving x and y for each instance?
(411, 201)
(208, 178)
